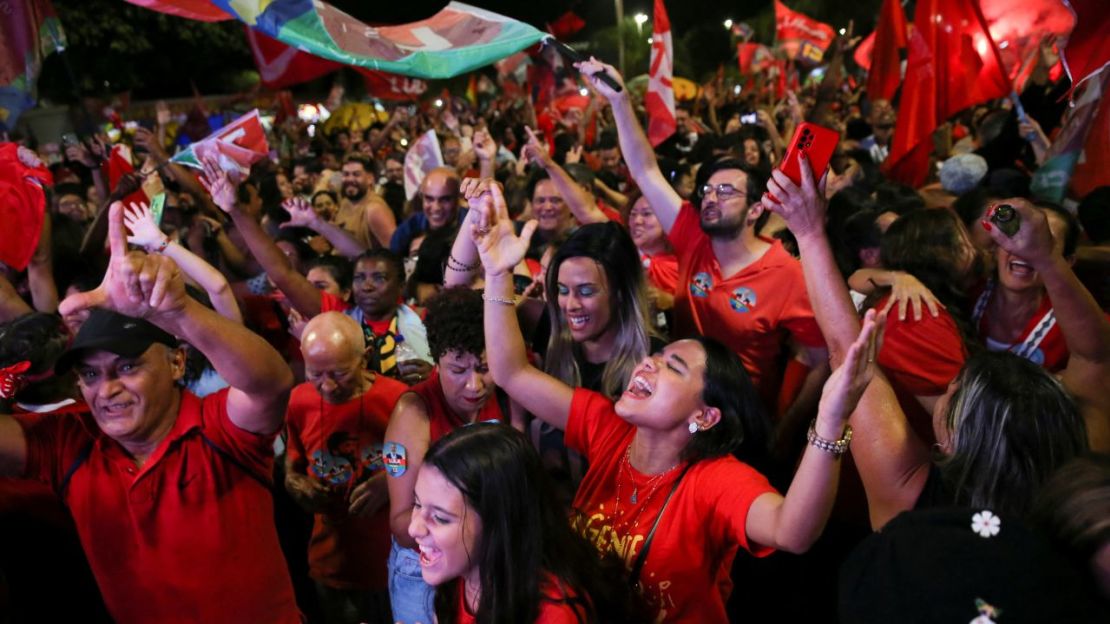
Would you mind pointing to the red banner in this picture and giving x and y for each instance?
(793, 28)
(659, 99)
(391, 86)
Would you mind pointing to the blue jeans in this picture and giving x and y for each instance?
(411, 598)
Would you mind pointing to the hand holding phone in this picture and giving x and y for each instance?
(817, 143)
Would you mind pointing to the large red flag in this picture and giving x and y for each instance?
(281, 65)
(953, 64)
(793, 30)
(886, 64)
(1088, 49)
(659, 99)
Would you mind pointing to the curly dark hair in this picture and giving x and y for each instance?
(454, 322)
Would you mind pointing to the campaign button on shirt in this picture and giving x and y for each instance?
(701, 285)
(742, 300)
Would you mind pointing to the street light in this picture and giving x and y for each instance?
(728, 24)
(640, 18)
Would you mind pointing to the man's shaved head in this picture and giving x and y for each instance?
(332, 334)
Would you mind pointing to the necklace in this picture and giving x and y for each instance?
(652, 485)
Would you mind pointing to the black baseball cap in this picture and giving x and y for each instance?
(108, 331)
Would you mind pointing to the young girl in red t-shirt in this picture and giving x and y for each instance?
(494, 541)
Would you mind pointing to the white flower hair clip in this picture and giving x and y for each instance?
(986, 524)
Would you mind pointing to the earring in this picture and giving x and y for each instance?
(693, 428)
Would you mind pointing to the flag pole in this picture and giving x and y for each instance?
(619, 4)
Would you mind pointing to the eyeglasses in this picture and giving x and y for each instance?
(724, 191)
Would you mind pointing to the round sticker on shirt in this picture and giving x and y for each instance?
(742, 299)
(701, 285)
(331, 469)
(371, 458)
(396, 459)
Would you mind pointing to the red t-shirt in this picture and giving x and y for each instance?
(554, 608)
(441, 418)
(187, 537)
(686, 574)
(749, 312)
(342, 447)
(1051, 352)
(661, 270)
(920, 358)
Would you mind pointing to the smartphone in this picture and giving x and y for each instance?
(69, 139)
(749, 118)
(817, 143)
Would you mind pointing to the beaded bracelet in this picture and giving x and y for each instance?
(459, 266)
(500, 300)
(836, 447)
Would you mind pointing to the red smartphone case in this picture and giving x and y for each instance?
(818, 144)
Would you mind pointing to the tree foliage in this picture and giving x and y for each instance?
(115, 47)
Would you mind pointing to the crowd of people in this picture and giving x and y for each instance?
(572, 378)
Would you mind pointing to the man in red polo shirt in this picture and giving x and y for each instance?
(734, 285)
(169, 492)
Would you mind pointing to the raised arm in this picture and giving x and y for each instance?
(1085, 327)
(40, 272)
(11, 304)
(146, 234)
(302, 295)
(543, 395)
(152, 287)
(380, 220)
(893, 462)
(638, 154)
(581, 204)
(301, 214)
(794, 522)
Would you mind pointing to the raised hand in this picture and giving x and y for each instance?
(494, 234)
(80, 154)
(151, 143)
(144, 231)
(846, 384)
(592, 67)
(301, 213)
(574, 155)
(907, 291)
(484, 146)
(803, 208)
(219, 186)
(136, 284)
(536, 151)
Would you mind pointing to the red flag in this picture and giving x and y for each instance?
(22, 204)
(886, 65)
(566, 26)
(864, 50)
(1088, 49)
(659, 99)
(203, 10)
(119, 165)
(953, 64)
(793, 28)
(386, 86)
(753, 57)
(281, 65)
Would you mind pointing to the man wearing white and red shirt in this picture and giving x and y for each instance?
(742, 289)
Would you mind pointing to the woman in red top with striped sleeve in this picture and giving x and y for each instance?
(460, 391)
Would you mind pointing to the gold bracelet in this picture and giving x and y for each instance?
(500, 300)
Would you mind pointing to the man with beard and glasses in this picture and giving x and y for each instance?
(745, 290)
(361, 212)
